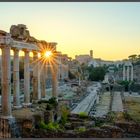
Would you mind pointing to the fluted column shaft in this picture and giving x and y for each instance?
(127, 73)
(124, 73)
(43, 82)
(54, 81)
(132, 73)
(26, 78)
(36, 78)
(16, 83)
(6, 82)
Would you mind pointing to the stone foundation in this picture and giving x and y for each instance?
(9, 128)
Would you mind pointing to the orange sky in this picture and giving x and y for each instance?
(111, 30)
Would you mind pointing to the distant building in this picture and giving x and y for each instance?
(93, 63)
(97, 62)
(91, 53)
(83, 58)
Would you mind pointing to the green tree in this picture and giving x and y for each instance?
(71, 75)
(97, 73)
(138, 58)
(133, 58)
(125, 84)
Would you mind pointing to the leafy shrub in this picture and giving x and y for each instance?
(51, 126)
(64, 115)
(80, 129)
(127, 116)
(53, 101)
(42, 125)
(99, 122)
(83, 115)
(49, 107)
(111, 116)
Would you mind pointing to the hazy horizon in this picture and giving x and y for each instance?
(111, 30)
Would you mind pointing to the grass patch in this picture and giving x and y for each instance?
(83, 115)
(80, 130)
(64, 115)
(51, 126)
(132, 105)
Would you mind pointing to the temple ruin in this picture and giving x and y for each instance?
(19, 39)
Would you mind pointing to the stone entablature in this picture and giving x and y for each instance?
(6, 40)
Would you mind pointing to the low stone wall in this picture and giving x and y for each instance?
(118, 130)
(129, 127)
(107, 132)
(103, 132)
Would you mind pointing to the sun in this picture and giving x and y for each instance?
(48, 54)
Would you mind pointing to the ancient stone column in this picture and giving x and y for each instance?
(16, 83)
(123, 73)
(54, 80)
(6, 82)
(43, 83)
(36, 78)
(26, 79)
(128, 73)
(131, 73)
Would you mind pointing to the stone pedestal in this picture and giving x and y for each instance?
(9, 128)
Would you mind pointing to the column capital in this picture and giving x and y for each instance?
(26, 50)
(4, 46)
(15, 49)
(35, 52)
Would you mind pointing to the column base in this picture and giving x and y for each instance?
(17, 107)
(35, 101)
(43, 98)
(27, 104)
(6, 117)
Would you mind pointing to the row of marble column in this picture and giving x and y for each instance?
(39, 81)
(128, 73)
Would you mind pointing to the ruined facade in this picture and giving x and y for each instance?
(19, 39)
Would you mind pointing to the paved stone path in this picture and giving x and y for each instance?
(86, 104)
(103, 107)
(117, 105)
